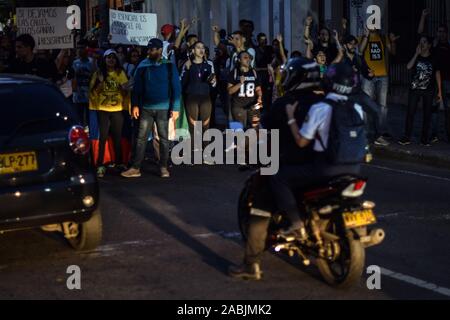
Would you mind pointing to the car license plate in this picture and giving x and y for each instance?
(359, 218)
(18, 162)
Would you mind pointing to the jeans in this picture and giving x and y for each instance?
(377, 89)
(414, 97)
(435, 117)
(146, 121)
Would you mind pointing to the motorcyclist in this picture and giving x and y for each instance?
(302, 84)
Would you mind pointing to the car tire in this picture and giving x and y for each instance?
(90, 233)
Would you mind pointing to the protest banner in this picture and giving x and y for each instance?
(47, 25)
(132, 28)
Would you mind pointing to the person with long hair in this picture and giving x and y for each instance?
(110, 95)
(197, 77)
(245, 91)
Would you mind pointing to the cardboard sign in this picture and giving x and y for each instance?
(132, 28)
(47, 25)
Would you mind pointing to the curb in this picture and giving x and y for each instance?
(426, 158)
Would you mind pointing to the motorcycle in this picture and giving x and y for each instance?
(337, 223)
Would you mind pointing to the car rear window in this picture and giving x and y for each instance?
(41, 106)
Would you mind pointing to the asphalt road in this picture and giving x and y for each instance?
(175, 239)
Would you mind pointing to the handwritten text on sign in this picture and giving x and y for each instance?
(132, 28)
(47, 25)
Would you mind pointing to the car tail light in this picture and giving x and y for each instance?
(355, 190)
(79, 140)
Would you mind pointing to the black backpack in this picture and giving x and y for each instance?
(347, 143)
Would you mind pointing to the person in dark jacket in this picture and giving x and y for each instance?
(155, 99)
(197, 77)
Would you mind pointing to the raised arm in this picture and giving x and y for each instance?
(412, 62)
(364, 41)
(184, 28)
(308, 24)
(282, 52)
(423, 19)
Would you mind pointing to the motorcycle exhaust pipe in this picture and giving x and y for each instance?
(376, 237)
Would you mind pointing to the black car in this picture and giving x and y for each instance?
(47, 177)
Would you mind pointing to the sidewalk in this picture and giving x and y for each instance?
(437, 155)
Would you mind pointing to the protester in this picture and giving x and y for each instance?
(109, 94)
(279, 59)
(245, 91)
(323, 43)
(441, 49)
(156, 98)
(197, 76)
(426, 77)
(132, 62)
(375, 48)
(26, 62)
(84, 68)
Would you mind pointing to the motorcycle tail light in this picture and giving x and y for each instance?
(79, 140)
(355, 189)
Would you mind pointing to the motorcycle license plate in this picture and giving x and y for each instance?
(18, 162)
(358, 219)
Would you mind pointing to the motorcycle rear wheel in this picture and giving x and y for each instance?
(348, 268)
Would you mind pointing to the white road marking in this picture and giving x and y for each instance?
(423, 175)
(416, 282)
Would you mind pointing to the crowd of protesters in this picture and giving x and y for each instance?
(131, 92)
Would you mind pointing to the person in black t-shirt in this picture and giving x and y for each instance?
(245, 91)
(423, 85)
(27, 62)
(441, 50)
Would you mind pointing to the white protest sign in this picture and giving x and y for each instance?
(132, 28)
(47, 25)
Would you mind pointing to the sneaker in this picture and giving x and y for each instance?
(434, 139)
(381, 142)
(165, 173)
(101, 171)
(246, 272)
(425, 144)
(131, 173)
(404, 141)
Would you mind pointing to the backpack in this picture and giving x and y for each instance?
(347, 143)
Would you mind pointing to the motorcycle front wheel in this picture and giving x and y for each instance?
(347, 269)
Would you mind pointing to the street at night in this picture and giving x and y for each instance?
(176, 239)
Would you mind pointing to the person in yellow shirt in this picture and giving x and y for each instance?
(109, 96)
(375, 49)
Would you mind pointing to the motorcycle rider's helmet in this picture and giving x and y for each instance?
(341, 78)
(300, 74)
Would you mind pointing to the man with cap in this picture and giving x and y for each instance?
(155, 99)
